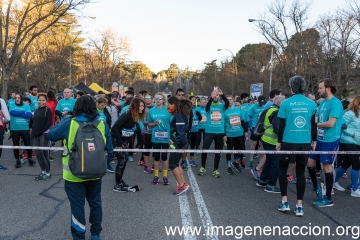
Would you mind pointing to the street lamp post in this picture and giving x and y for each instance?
(234, 69)
(272, 47)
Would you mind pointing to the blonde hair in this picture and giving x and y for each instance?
(163, 97)
(354, 106)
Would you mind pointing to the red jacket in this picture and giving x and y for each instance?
(51, 103)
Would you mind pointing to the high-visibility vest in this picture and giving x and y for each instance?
(67, 174)
(269, 136)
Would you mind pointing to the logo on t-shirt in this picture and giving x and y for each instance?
(300, 122)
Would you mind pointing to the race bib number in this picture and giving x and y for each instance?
(161, 135)
(235, 120)
(195, 123)
(203, 119)
(127, 132)
(320, 133)
(215, 116)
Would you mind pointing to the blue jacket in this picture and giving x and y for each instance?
(178, 129)
(353, 127)
(61, 131)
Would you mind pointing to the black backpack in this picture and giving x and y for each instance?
(88, 154)
(260, 128)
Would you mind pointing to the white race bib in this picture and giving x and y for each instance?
(215, 116)
(127, 132)
(320, 132)
(195, 123)
(161, 135)
(235, 120)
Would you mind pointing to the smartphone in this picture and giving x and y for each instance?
(215, 88)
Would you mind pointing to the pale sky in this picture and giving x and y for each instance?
(186, 32)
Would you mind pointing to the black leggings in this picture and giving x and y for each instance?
(193, 141)
(198, 141)
(208, 139)
(147, 143)
(25, 135)
(156, 155)
(42, 155)
(122, 158)
(300, 175)
(235, 143)
(350, 159)
(174, 157)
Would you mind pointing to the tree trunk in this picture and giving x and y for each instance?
(5, 81)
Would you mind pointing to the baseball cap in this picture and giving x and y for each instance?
(261, 100)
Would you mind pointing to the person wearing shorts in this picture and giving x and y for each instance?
(330, 120)
(297, 132)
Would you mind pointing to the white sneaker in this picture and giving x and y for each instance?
(338, 187)
(355, 193)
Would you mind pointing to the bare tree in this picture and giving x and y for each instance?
(21, 23)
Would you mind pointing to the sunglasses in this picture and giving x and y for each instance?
(158, 98)
(148, 97)
(181, 94)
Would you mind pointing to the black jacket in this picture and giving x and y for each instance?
(41, 121)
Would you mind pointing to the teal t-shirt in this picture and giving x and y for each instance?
(195, 122)
(245, 114)
(297, 112)
(102, 115)
(233, 118)
(34, 102)
(215, 119)
(246, 107)
(19, 123)
(10, 101)
(161, 132)
(202, 123)
(254, 112)
(330, 108)
(66, 105)
(124, 109)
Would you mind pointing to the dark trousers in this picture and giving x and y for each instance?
(201, 132)
(235, 143)
(77, 192)
(122, 158)
(193, 141)
(270, 170)
(25, 135)
(42, 155)
(209, 138)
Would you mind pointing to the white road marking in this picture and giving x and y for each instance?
(203, 211)
(186, 218)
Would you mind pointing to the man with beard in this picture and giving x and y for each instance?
(329, 113)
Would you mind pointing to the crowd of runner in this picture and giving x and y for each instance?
(295, 121)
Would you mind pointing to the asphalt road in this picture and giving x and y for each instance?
(40, 210)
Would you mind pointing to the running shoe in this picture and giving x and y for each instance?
(23, 160)
(251, 163)
(43, 176)
(141, 163)
(229, 171)
(283, 207)
(130, 158)
(350, 186)
(325, 202)
(256, 156)
(272, 189)
(355, 193)
(318, 192)
(155, 181)
(148, 169)
(110, 169)
(181, 189)
(344, 176)
(95, 237)
(242, 163)
(120, 188)
(216, 173)
(24, 155)
(193, 163)
(202, 171)
(261, 184)
(33, 155)
(236, 166)
(299, 211)
(256, 173)
(124, 184)
(184, 165)
(3, 167)
(18, 164)
(165, 181)
(338, 187)
(318, 174)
